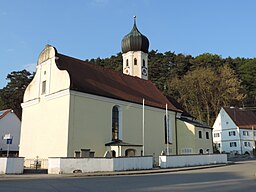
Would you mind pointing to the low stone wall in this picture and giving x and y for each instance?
(132, 163)
(11, 165)
(191, 160)
(85, 165)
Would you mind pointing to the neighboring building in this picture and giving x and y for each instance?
(234, 130)
(10, 133)
(75, 108)
(193, 137)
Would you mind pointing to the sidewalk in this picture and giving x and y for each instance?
(116, 173)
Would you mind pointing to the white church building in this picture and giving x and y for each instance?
(73, 108)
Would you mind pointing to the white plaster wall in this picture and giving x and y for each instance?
(135, 70)
(45, 116)
(11, 165)
(69, 165)
(85, 165)
(191, 160)
(132, 163)
(44, 129)
(10, 124)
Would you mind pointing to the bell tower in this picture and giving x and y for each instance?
(135, 53)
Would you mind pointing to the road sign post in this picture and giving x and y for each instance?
(8, 138)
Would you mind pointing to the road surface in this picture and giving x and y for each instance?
(237, 177)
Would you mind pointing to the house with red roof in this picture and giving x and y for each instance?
(73, 108)
(234, 130)
(10, 133)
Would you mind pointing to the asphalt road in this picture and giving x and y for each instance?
(237, 177)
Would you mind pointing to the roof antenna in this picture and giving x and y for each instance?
(134, 17)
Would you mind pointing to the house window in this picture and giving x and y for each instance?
(218, 145)
(143, 64)
(115, 123)
(232, 144)
(245, 133)
(254, 133)
(232, 133)
(135, 61)
(216, 135)
(207, 135)
(200, 134)
(43, 87)
(247, 144)
(127, 63)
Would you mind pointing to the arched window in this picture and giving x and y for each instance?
(143, 64)
(130, 152)
(135, 61)
(113, 153)
(167, 130)
(127, 63)
(115, 123)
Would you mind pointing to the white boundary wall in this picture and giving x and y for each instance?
(58, 165)
(11, 165)
(191, 160)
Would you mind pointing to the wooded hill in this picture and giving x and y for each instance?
(201, 84)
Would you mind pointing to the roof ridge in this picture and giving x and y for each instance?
(94, 79)
(5, 112)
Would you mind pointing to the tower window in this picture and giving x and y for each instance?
(135, 61)
(127, 63)
(143, 63)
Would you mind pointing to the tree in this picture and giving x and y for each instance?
(204, 91)
(207, 60)
(247, 73)
(12, 94)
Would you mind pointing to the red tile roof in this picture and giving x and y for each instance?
(89, 78)
(4, 113)
(243, 118)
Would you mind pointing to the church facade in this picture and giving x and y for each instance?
(73, 108)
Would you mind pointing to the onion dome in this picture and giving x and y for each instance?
(135, 41)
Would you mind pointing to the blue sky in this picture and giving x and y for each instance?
(88, 29)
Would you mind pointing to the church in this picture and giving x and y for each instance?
(73, 108)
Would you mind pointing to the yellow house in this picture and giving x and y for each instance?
(193, 137)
